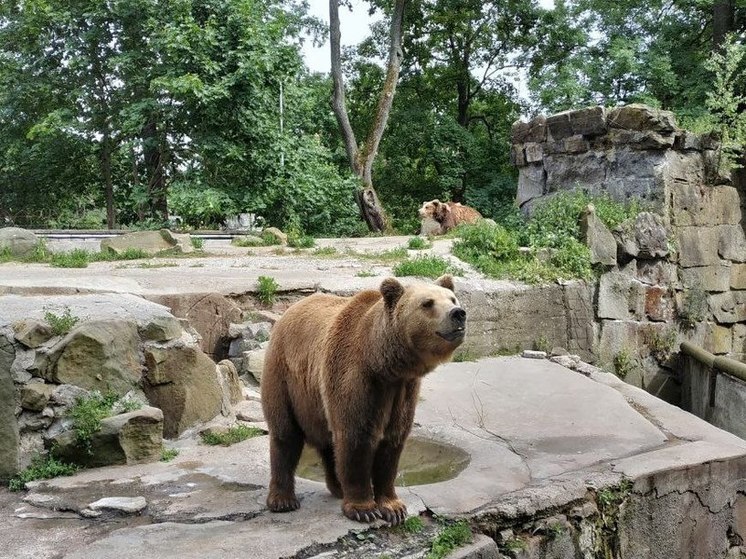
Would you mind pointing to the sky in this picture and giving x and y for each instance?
(353, 26)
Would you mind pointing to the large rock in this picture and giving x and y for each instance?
(709, 278)
(533, 131)
(19, 242)
(531, 183)
(32, 332)
(128, 438)
(645, 237)
(729, 307)
(9, 436)
(253, 363)
(598, 238)
(100, 355)
(210, 314)
(693, 203)
(732, 243)
(620, 296)
(182, 381)
(641, 118)
(230, 385)
(698, 246)
(35, 396)
(150, 242)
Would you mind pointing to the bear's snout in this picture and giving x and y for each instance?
(458, 316)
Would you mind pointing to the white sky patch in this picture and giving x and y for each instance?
(355, 26)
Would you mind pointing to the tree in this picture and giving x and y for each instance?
(361, 157)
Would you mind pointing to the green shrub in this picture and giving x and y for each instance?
(233, 435)
(485, 239)
(301, 241)
(76, 258)
(426, 267)
(267, 290)
(61, 323)
(418, 243)
(168, 454)
(269, 239)
(42, 467)
(87, 414)
(450, 537)
(198, 243)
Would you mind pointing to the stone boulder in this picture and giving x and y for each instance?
(210, 314)
(275, 233)
(35, 396)
(598, 238)
(642, 118)
(150, 242)
(20, 242)
(182, 381)
(100, 355)
(9, 435)
(230, 385)
(643, 237)
(128, 438)
(32, 332)
(253, 363)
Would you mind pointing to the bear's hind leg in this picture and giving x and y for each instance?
(330, 470)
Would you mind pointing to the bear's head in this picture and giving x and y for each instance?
(435, 209)
(426, 318)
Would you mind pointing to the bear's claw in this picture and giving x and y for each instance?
(283, 504)
(365, 513)
(394, 511)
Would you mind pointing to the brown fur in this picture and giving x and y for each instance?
(447, 214)
(342, 374)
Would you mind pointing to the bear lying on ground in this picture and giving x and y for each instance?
(437, 218)
(342, 374)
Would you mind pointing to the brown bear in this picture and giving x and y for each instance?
(440, 217)
(342, 374)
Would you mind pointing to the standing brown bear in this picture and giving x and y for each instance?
(343, 375)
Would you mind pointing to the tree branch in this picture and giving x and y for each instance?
(338, 94)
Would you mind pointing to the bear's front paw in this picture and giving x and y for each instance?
(366, 511)
(393, 511)
(281, 502)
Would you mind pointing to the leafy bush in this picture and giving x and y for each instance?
(199, 206)
(418, 243)
(267, 290)
(484, 239)
(87, 414)
(233, 435)
(42, 467)
(426, 267)
(198, 243)
(61, 324)
(76, 258)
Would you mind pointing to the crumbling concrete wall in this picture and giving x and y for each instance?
(692, 286)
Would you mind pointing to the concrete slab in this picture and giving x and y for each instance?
(539, 436)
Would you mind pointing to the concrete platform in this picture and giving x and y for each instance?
(546, 443)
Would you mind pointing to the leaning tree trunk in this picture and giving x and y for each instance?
(154, 168)
(361, 158)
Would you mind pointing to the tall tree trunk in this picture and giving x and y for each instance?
(154, 168)
(723, 19)
(106, 149)
(362, 158)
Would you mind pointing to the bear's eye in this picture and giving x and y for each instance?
(428, 303)
(453, 300)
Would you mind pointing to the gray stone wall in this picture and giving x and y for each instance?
(680, 270)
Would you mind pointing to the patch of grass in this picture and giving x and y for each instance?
(76, 258)
(661, 344)
(366, 274)
(542, 344)
(326, 251)
(198, 243)
(418, 243)
(515, 545)
(61, 323)
(87, 414)
(296, 239)
(233, 435)
(147, 265)
(168, 454)
(450, 537)
(624, 364)
(39, 254)
(464, 355)
(42, 467)
(247, 241)
(388, 256)
(267, 290)
(127, 254)
(427, 266)
(413, 525)
(6, 255)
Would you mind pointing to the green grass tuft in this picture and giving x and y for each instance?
(87, 414)
(168, 454)
(198, 243)
(233, 435)
(77, 258)
(427, 267)
(450, 537)
(418, 243)
(61, 323)
(413, 525)
(42, 467)
(267, 290)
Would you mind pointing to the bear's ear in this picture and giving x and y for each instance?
(435, 203)
(445, 281)
(391, 290)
